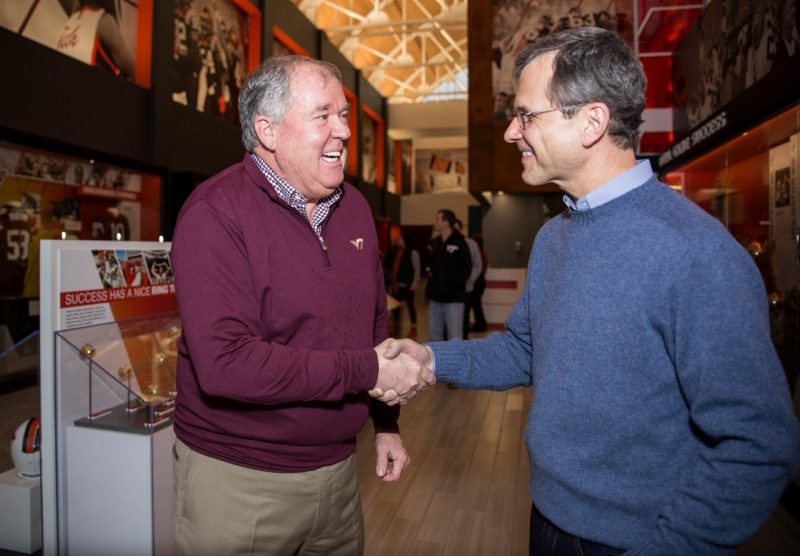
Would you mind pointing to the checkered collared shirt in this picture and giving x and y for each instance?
(297, 200)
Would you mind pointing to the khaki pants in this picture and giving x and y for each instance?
(222, 508)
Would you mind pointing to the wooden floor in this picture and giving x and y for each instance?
(466, 490)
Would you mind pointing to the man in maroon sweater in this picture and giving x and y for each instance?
(281, 295)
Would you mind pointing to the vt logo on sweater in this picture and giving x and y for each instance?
(358, 243)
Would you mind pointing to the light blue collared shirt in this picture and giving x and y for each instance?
(626, 181)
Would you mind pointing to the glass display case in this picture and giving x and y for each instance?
(123, 373)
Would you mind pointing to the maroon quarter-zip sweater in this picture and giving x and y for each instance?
(278, 330)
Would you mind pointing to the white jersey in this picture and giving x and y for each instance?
(77, 37)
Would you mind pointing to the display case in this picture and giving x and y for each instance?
(117, 398)
(124, 372)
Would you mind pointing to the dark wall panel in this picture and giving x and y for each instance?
(59, 99)
(297, 26)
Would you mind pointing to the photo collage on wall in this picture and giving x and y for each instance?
(210, 56)
(47, 196)
(103, 33)
(518, 22)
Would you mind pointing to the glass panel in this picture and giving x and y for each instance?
(120, 375)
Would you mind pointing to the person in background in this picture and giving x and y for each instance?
(405, 276)
(476, 303)
(446, 288)
(661, 422)
(474, 274)
(281, 295)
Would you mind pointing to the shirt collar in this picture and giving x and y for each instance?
(623, 183)
(294, 198)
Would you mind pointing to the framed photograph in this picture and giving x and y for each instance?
(217, 42)
(111, 35)
(372, 131)
(441, 170)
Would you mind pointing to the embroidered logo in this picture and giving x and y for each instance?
(358, 243)
(452, 249)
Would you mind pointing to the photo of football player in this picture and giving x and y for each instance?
(159, 267)
(108, 268)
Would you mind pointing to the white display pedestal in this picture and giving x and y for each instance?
(120, 491)
(21, 508)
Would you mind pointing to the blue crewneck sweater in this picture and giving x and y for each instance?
(661, 421)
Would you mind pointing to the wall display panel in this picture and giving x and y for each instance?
(47, 196)
(751, 185)
(109, 34)
(217, 42)
(518, 22)
(441, 170)
(372, 138)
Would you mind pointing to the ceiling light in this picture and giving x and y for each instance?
(377, 17)
(406, 59)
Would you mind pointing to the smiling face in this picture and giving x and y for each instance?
(550, 143)
(308, 147)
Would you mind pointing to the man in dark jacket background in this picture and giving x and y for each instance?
(446, 290)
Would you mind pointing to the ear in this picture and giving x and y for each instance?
(595, 122)
(266, 132)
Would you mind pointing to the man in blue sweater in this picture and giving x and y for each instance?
(661, 422)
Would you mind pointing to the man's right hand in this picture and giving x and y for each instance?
(400, 376)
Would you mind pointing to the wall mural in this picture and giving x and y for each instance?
(734, 44)
(518, 22)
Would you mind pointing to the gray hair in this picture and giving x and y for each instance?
(593, 65)
(267, 92)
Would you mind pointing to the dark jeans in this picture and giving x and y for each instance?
(548, 540)
(473, 304)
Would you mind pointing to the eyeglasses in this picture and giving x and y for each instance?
(524, 118)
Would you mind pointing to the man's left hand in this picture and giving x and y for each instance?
(392, 456)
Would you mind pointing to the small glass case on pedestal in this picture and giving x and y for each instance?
(121, 374)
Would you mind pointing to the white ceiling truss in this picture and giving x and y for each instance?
(409, 50)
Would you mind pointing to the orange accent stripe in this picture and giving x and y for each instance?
(501, 284)
(30, 435)
(106, 58)
(379, 127)
(144, 43)
(287, 41)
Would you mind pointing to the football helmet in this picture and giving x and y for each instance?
(25, 446)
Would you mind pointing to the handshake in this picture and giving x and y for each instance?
(404, 368)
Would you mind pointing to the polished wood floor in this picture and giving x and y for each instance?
(466, 490)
